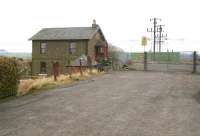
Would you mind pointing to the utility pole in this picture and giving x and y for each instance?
(154, 33)
(161, 36)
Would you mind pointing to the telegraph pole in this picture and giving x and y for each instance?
(161, 36)
(154, 33)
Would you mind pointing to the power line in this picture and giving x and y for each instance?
(161, 36)
(157, 38)
(153, 30)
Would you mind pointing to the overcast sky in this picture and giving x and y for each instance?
(123, 22)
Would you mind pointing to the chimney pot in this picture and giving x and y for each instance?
(94, 25)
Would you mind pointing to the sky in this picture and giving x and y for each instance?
(123, 22)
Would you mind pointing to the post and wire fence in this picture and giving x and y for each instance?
(187, 61)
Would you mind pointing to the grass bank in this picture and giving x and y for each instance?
(34, 85)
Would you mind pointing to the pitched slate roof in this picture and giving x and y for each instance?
(70, 33)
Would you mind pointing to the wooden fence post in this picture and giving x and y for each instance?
(55, 70)
(81, 72)
(194, 62)
(145, 61)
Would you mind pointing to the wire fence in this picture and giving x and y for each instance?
(187, 61)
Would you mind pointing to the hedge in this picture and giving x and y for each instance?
(9, 76)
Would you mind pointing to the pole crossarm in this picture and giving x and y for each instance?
(158, 34)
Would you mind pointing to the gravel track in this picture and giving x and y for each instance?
(116, 104)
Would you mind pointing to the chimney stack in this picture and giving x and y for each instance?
(94, 24)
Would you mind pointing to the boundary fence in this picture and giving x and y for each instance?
(167, 61)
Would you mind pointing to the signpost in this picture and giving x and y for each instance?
(144, 42)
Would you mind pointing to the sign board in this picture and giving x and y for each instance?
(144, 41)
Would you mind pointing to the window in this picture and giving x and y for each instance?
(43, 67)
(72, 48)
(100, 50)
(43, 47)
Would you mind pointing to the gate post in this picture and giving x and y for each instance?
(81, 71)
(55, 70)
(145, 61)
(194, 62)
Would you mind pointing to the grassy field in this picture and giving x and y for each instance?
(160, 57)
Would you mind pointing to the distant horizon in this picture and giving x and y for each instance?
(123, 51)
(7, 51)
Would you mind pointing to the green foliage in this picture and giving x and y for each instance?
(9, 76)
(106, 62)
(24, 67)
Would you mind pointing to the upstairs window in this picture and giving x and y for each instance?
(72, 47)
(43, 47)
(100, 50)
(43, 68)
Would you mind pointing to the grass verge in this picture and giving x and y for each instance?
(33, 85)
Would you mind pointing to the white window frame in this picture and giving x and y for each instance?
(43, 47)
(72, 47)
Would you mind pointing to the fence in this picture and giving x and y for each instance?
(167, 61)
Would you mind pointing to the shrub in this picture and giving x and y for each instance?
(9, 76)
(24, 68)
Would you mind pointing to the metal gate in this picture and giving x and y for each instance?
(167, 61)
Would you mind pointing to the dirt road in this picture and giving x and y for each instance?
(117, 104)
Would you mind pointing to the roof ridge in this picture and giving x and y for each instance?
(64, 27)
(65, 33)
